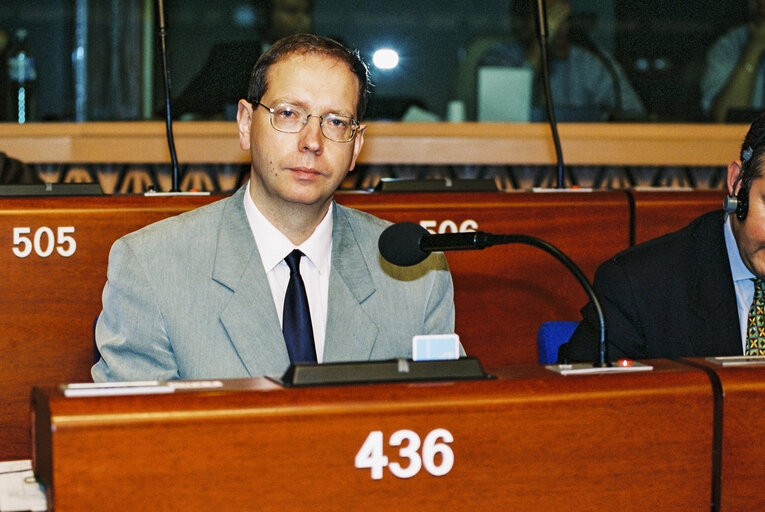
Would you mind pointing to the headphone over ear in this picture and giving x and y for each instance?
(738, 204)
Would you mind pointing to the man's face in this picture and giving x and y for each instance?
(304, 168)
(750, 233)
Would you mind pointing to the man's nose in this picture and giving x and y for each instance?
(311, 138)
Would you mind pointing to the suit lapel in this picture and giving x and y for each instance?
(713, 299)
(351, 333)
(249, 317)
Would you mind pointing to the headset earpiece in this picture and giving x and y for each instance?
(738, 204)
(730, 203)
(742, 203)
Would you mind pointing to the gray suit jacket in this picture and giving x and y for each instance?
(188, 298)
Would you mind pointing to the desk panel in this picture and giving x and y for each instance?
(49, 301)
(529, 440)
(661, 212)
(502, 294)
(743, 455)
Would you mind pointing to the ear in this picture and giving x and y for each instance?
(244, 121)
(358, 142)
(732, 181)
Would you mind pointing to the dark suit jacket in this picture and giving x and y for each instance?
(669, 297)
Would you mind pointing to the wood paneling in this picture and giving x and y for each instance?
(389, 143)
(742, 460)
(660, 212)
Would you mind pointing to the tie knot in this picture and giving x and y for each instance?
(758, 285)
(293, 261)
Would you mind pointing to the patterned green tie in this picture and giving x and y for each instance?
(755, 332)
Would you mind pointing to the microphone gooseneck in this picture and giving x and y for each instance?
(166, 77)
(407, 243)
(544, 66)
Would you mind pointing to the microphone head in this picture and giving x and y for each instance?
(400, 244)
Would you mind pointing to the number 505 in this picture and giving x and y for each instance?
(43, 242)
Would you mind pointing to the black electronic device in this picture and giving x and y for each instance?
(51, 189)
(391, 370)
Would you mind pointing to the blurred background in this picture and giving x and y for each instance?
(87, 60)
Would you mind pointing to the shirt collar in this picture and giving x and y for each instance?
(737, 267)
(273, 246)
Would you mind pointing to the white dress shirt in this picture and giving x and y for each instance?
(273, 247)
(742, 281)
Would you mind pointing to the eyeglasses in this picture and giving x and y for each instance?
(291, 119)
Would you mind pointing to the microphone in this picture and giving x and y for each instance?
(407, 243)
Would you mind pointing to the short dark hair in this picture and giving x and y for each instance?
(753, 152)
(303, 44)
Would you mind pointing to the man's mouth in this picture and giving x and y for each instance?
(305, 172)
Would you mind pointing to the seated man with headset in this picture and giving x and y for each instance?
(695, 292)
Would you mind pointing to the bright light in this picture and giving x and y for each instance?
(385, 58)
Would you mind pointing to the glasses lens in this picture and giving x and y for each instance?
(338, 128)
(288, 118)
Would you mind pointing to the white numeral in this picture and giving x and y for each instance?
(18, 239)
(48, 232)
(449, 226)
(409, 451)
(431, 447)
(64, 239)
(371, 454)
(44, 241)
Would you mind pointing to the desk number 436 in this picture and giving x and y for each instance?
(437, 456)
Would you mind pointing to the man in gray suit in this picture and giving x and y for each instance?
(201, 295)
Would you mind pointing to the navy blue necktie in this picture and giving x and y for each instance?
(296, 321)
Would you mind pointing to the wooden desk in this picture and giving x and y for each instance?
(661, 212)
(502, 294)
(49, 301)
(743, 456)
(530, 440)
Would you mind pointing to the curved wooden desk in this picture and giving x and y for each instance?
(530, 440)
(502, 294)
